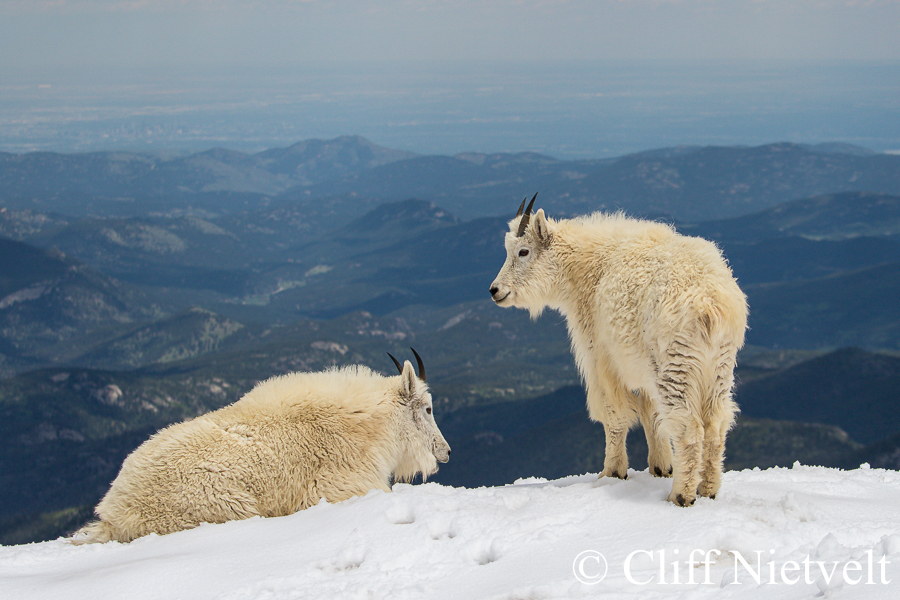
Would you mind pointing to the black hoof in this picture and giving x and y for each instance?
(679, 500)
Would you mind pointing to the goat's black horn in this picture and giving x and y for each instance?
(526, 217)
(421, 366)
(396, 362)
(522, 207)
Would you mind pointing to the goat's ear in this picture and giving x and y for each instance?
(540, 226)
(407, 381)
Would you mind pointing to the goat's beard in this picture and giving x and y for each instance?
(412, 464)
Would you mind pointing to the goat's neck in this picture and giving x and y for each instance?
(579, 270)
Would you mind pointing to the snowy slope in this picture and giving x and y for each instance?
(514, 542)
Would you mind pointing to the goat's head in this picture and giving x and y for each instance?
(525, 276)
(422, 442)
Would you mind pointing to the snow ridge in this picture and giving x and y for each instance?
(840, 528)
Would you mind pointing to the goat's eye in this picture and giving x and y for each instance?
(428, 410)
(523, 252)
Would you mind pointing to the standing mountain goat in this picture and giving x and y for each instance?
(286, 444)
(655, 319)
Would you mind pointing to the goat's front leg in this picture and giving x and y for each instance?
(615, 462)
(613, 405)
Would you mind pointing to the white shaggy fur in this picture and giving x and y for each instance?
(655, 319)
(286, 444)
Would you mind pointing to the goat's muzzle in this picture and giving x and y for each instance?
(442, 452)
(499, 295)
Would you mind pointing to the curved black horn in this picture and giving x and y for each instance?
(421, 366)
(396, 362)
(522, 207)
(526, 217)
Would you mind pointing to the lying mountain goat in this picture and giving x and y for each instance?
(286, 444)
(655, 319)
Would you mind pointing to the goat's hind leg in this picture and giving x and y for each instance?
(713, 457)
(659, 446)
(719, 418)
(688, 442)
(678, 385)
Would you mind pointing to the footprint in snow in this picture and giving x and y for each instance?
(400, 514)
(441, 527)
(483, 552)
(350, 557)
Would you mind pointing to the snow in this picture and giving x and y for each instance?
(814, 531)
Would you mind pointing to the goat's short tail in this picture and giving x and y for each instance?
(97, 532)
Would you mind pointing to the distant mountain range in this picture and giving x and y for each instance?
(80, 183)
(50, 305)
(136, 291)
(272, 263)
(851, 389)
(838, 216)
(687, 184)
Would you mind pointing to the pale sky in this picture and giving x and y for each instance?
(83, 34)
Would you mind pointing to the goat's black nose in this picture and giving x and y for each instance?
(494, 290)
